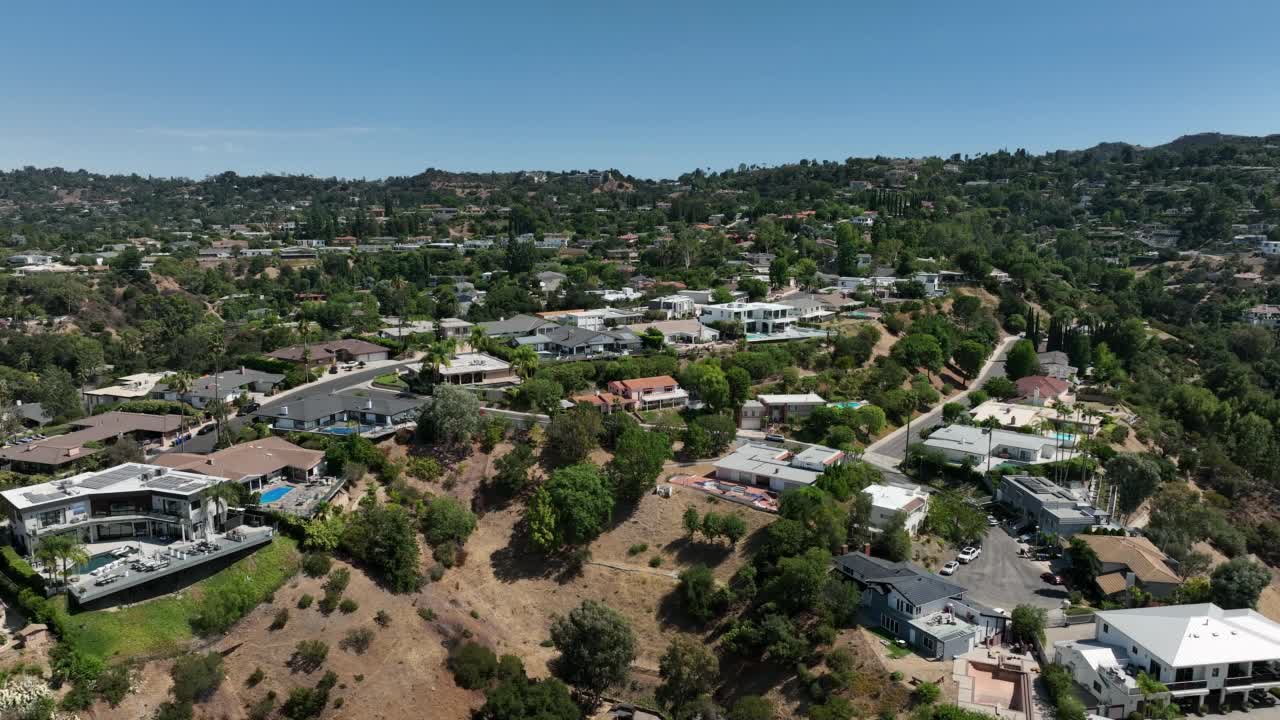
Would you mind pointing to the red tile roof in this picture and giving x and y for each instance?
(1048, 387)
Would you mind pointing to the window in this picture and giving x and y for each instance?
(1183, 674)
(1133, 650)
(1097, 686)
(51, 517)
(1106, 628)
(1216, 671)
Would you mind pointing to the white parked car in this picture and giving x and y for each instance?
(968, 555)
(991, 521)
(950, 568)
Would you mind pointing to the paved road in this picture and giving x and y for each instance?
(889, 450)
(341, 381)
(999, 578)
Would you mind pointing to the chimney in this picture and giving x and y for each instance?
(368, 404)
(284, 409)
(866, 548)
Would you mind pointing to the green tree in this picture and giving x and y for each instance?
(511, 471)
(751, 707)
(1135, 476)
(688, 671)
(691, 521)
(541, 395)
(823, 521)
(452, 418)
(596, 647)
(800, 579)
(1238, 583)
(969, 356)
(637, 462)
(894, 542)
(697, 593)
(571, 436)
(571, 508)
(447, 521)
(919, 350)
(383, 538)
(1021, 360)
(1028, 623)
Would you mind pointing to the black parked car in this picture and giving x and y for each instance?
(249, 408)
(207, 429)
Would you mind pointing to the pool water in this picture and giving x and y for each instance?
(849, 404)
(95, 562)
(275, 494)
(1064, 437)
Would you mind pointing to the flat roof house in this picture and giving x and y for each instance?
(778, 469)
(1129, 561)
(756, 317)
(889, 500)
(129, 387)
(674, 306)
(477, 369)
(1267, 316)
(780, 408)
(679, 332)
(1198, 652)
(1057, 510)
(929, 613)
(144, 507)
(650, 393)
(986, 449)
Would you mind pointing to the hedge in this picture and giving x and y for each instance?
(267, 364)
(149, 407)
(19, 570)
(34, 605)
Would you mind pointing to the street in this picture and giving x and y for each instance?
(890, 450)
(999, 578)
(341, 381)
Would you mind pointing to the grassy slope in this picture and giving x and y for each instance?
(163, 625)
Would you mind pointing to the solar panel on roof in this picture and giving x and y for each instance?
(42, 497)
(110, 477)
(168, 483)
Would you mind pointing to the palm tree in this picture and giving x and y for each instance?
(1149, 687)
(438, 354)
(181, 384)
(525, 360)
(478, 341)
(66, 549)
(222, 495)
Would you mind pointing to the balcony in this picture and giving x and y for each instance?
(110, 517)
(1261, 677)
(1187, 685)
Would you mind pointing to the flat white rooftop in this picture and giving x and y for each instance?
(893, 497)
(130, 477)
(473, 362)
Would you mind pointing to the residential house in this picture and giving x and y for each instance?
(328, 352)
(752, 415)
(253, 464)
(134, 505)
(755, 317)
(887, 501)
(650, 393)
(986, 449)
(60, 452)
(1132, 561)
(999, 276)
(930, 614)
(130, 387)
(679, 332)
(1267, 316)
(451, 328)
(319, 411)
(809, 308)
(778, 469)
(1039, 418)
(576, 342)
(550, 281)
(674, 306)
(781, 408)
(29, 260)
(1055, 509)
(517, 326)
(1056, 364)
(605, 402)
(1043, 390)
(1197, 652)
(224, 386)
(476, 368)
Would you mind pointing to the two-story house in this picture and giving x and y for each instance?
(923, 610)
(1057, 510)
(650, 393)
(756, 317)
(1198, 652)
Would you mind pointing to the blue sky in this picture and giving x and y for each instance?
(654, 88)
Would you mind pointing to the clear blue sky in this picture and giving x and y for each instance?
(367, 89)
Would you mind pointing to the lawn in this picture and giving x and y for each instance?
(894, 650)
(654, 416)
(391, 380)
(163, 626)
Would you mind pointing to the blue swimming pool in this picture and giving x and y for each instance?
(850, 404)
(1064, 437)
(95, 562)
(275, 494)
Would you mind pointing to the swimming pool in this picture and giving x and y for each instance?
(275, 494)
(849, 404)
(95, 562)
(1064, 437)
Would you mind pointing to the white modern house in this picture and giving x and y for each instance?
(674, 306)
(985, 448)
(889, 500)
(781, 408)
(756, 317)
(776, 468)
(1198, 652)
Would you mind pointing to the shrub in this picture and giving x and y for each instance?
(196, 677)
(338, 581)
(637, 548)
(427, 614)
(280, 620)
(927, 693)
(383, 618)
(174, 711)
(473, 665)
(113, 684)
(255, 678)
(436, 572)
(304, 703)
(348, 606)
(357, 640)
(261, 710)
(305, 601)
(655, 561)
(309, 655)
(316, 564)
(329, 602)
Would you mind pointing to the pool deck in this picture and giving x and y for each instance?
(978, 688)
(303, 498)
(175, 557)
